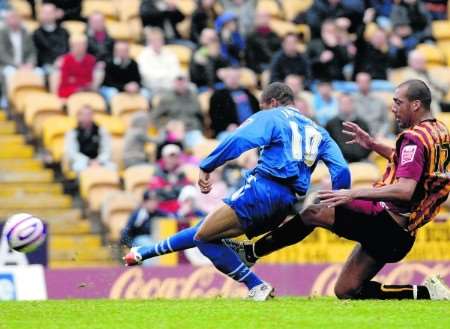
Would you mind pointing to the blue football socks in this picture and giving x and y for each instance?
(227, 262)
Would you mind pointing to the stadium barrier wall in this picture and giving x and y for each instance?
(22, 283)
(185, 281)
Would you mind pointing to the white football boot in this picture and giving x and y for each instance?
(261, 292)
(437, 288)
(133, 257)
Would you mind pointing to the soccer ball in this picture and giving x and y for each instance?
(24, 232)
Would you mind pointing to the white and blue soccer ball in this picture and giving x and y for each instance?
(24, 232)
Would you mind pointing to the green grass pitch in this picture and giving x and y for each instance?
(280, 313)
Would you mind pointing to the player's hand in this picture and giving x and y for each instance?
(335, 198)
(358, 136)
(204, 183)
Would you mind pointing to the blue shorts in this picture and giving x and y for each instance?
(261, 204)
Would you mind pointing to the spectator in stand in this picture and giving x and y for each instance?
(439, 88)
(326, 55)
(163, 14)
(436, 8)
(76, 68)
(411, 22)
(189, 205)
(322, 10)
(180, 103)
(351, 152)
(17, 48)
(304, 107)
(261, 44)
(122, 74)
(169, 179)
(371, 108)
(67, 9)
(203, 17)
(379, 53)
(289, 60)
(100, 44)
(51, 40)
(135, 140)
(158, 66)
(303, 99)
(232, 105)
(88, 145)
(245, 10)
(207, 61)
(138, 230)
(231, 41)
(325, 104)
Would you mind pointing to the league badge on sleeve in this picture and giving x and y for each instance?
(408, 153)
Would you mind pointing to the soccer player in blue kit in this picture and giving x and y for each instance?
(290, 147)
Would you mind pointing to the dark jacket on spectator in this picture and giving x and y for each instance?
(223, 110)
(139, 223)
(414, 15)
(203, 68)
(71, 8)
(351, 152)
(201, 19)
(375, 61)
(331, 70)
(261, 45)
(283, 65)
(102, 50)
(151, 15)
(118, 75)
(50, 44)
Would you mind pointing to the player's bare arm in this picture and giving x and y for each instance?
(361, 137)
(204, 182)
(403, 190)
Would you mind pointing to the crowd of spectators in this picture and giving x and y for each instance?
(337, 73)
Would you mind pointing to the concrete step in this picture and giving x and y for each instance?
(13, 151)
(76, 242)
(44, 176)
(7, 127)
(47, 215)
(91, 254)
(70, 227)
(20, 165)
(31, 202)
(30, 188)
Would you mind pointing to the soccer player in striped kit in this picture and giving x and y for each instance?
(383, 219)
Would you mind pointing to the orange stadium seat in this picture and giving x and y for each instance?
(128, 9)
(119, 30)
(74, 27)
(136, 29)
(281, 28)
(107, 8)
(187, 7)
(441, 30)
(22, 7)
(23, 82)
(271, 7)
(96, 183)
(30, 25)
(183, 54)
(201, 150)
(115, 211)
(112, 124)
(292, 8)
(136, 178)
(135, 50)
(76, 101)
(432, 53)
(40, 107)
(249, 79)
(124, 105)
(53, 132)
(191, 171)
(364, 173)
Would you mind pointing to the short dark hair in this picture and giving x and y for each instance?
(417, 90)
(279, 91)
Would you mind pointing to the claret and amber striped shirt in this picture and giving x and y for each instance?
(422, 153)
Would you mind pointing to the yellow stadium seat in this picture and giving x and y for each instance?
(124, 105)
(203, 149)
(204, 99)
(305, 31)
(432, 53)
(441, 30)
(135, 50)
(119, 30)
(30, 25)
(107, 8)
(24, 81)
(270, 7)
(292, 8)
(48, 201)
(440, 73)
(445, 118)
(39, 108)
(184, 28)
(281, 28)
(136, 29)
(320, 173)
(116, 210)
(397, 76)
(117, 145)
(76, 101)
(22, 7)
(96, 183)
(249, 79)
(112, 124)
(7, 127)
(183, 53)
(128, 9)
(43, 176)
(74, 27)
(364, 172)
(187, 7)
(137, 178)
(53, 132)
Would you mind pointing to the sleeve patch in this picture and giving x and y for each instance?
(408, 153)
